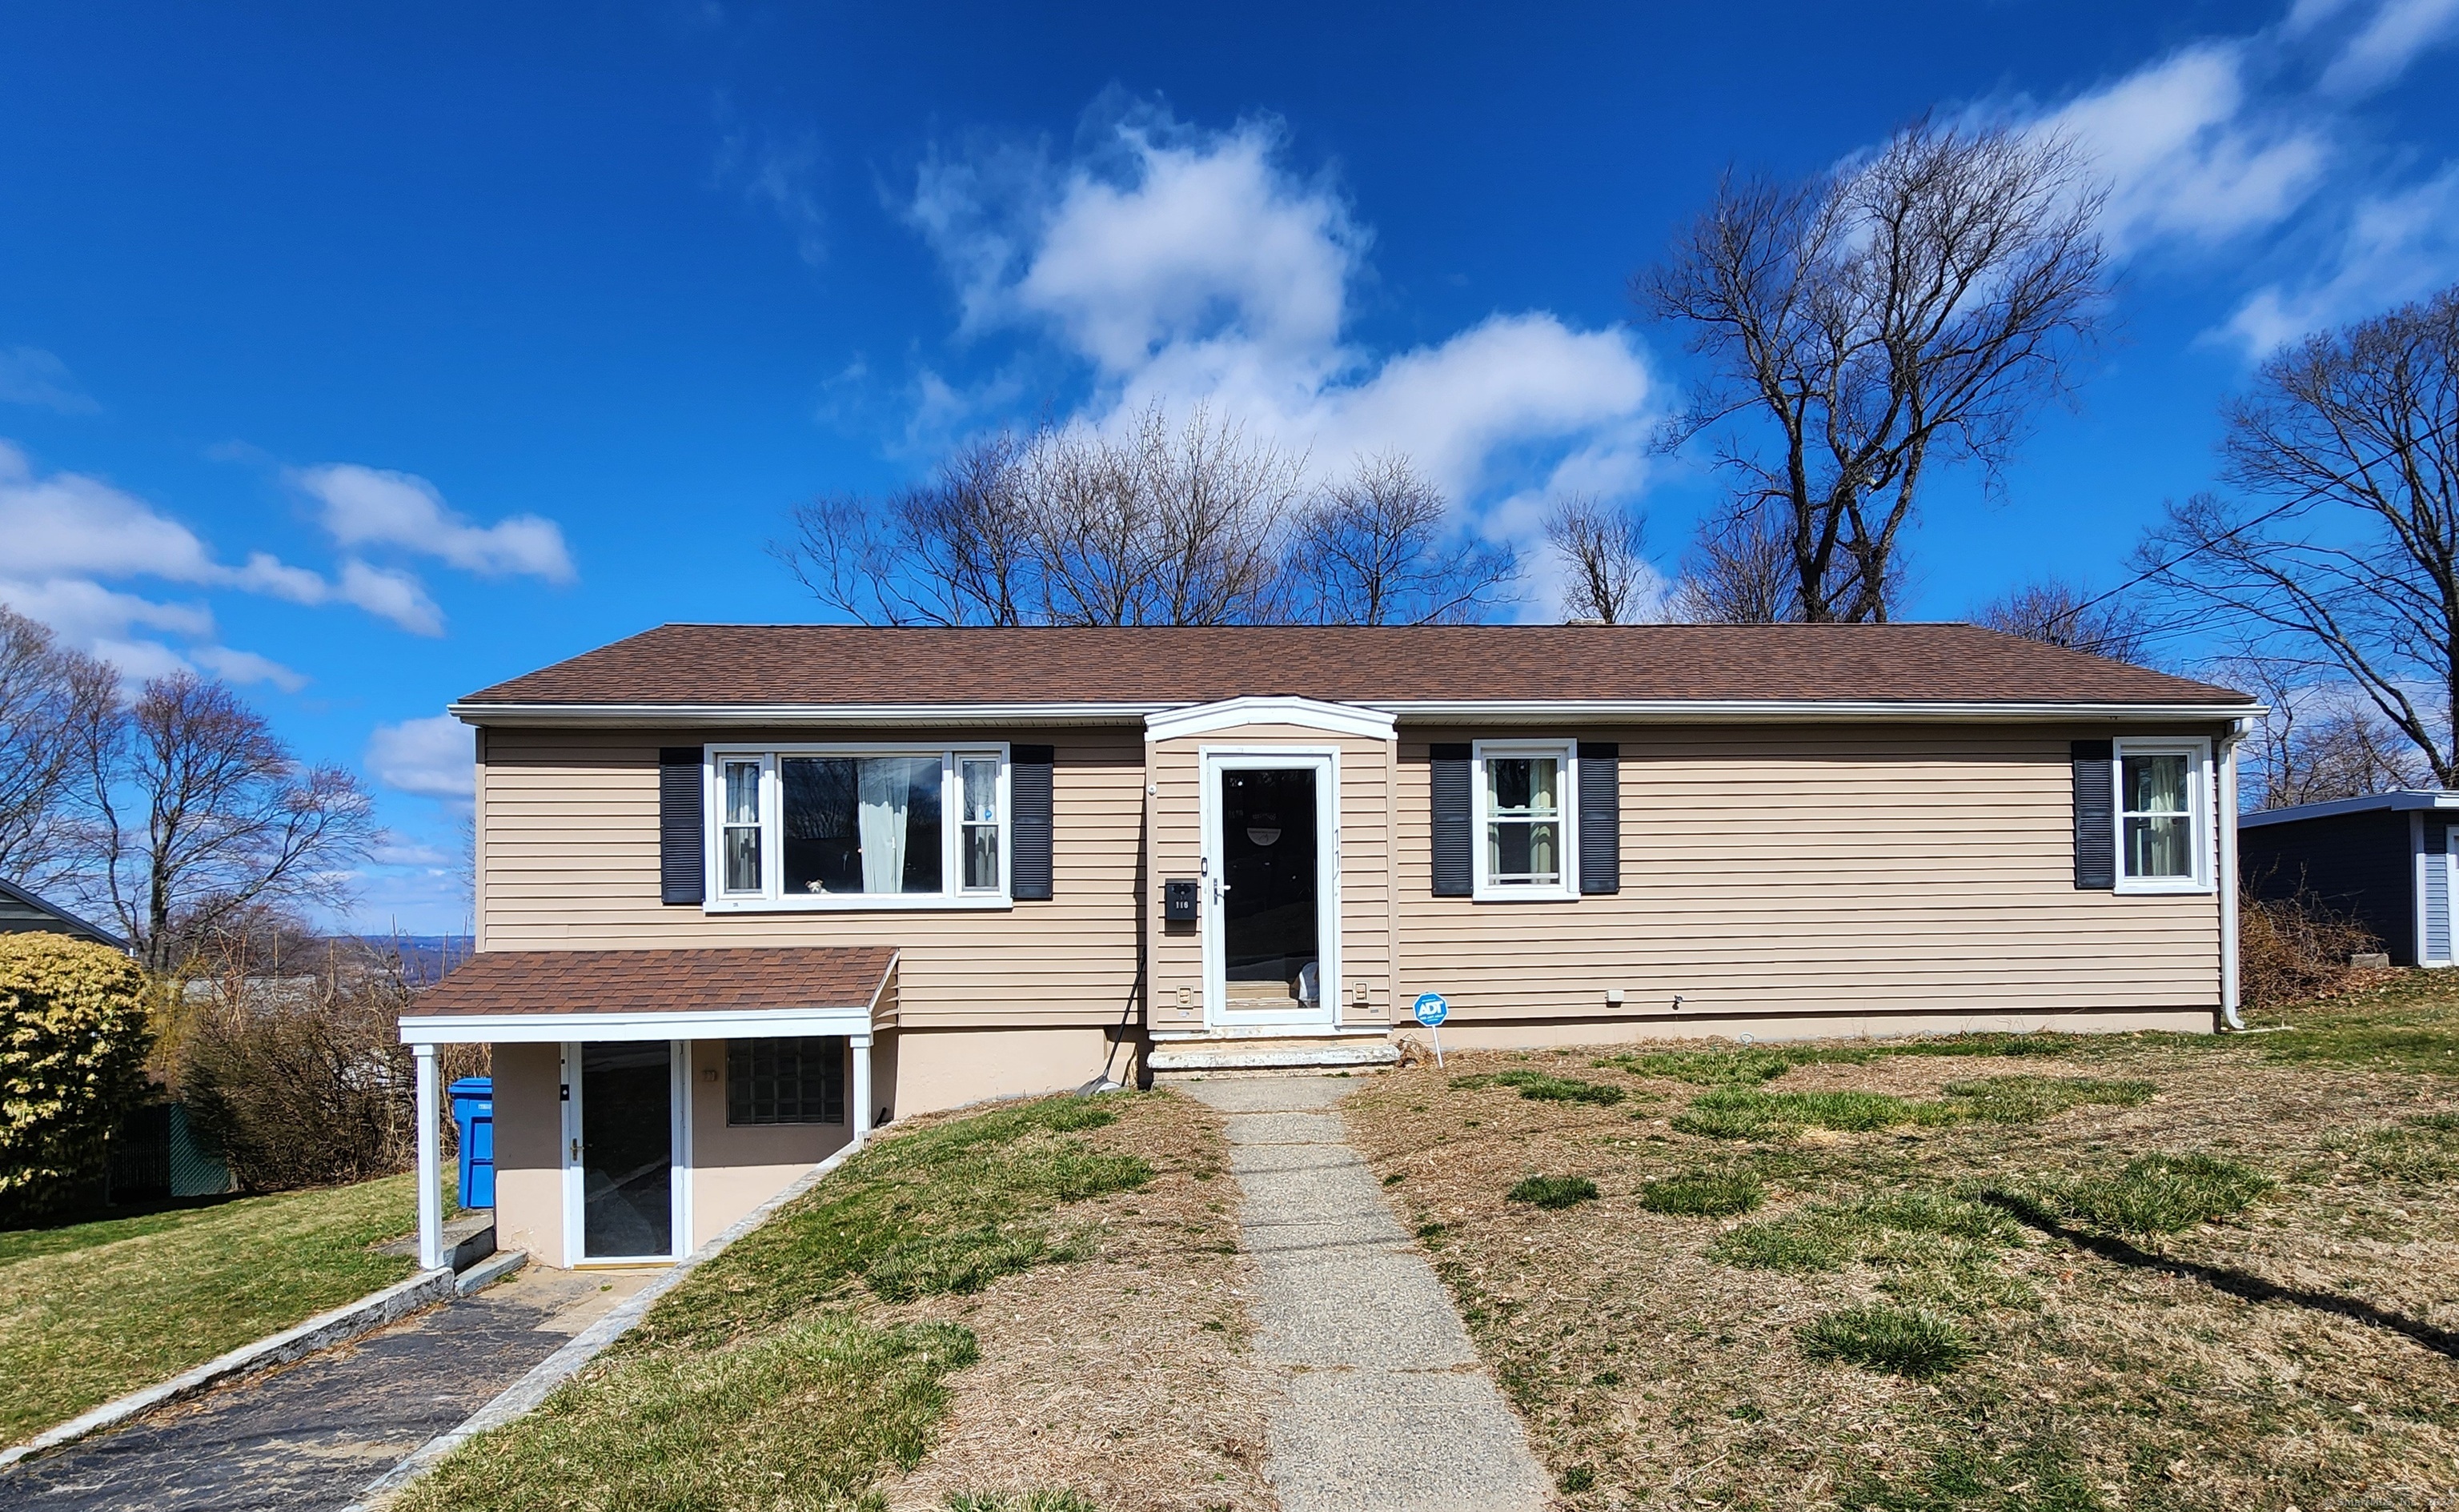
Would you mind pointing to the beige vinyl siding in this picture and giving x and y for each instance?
(1809, 870)
(570, 861)
(1366, 860)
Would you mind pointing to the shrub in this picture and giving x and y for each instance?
(305, 1085)
(1539, 1088)
(1901, 1341)
(1704, 1192)
(1554, 1191)
(73, 1037)
(2295, 949)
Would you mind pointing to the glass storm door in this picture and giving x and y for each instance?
(1270, 948)
(625, 1150)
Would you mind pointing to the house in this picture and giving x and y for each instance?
(21, 913)
(2385, 860)
(744, 890)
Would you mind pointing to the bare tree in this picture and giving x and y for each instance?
(1181, 523)
(1603, 550)
(1377, 548)
(54, 704)
(1867, 327)
(958, 550)
(2057, 613)
(205, 813)
(2319, 742)
(1739, 572)
(2341, 557)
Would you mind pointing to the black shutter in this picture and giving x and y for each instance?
(682, 812)
(1447, 783)
(1029, 824)
(2096, 817)
(1600, 817)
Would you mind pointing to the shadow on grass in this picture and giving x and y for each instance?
(2220, 1278)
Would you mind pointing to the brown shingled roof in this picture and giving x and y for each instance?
(618, 981)
(823, 664)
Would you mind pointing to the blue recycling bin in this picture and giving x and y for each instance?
(474, 1112)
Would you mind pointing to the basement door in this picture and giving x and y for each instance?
(1271, 916)
(625, 1129)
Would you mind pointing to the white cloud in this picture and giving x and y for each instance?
(2186, 153)
(778, 174)
(372, 507)
(29, 375)
(2395, 248)
(2384, 47)
(1182, 267)
(390, 594)
(435, 757)
(244, 667)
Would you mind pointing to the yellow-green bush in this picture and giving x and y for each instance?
(73, 1037)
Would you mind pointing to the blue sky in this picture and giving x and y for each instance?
(369, 355)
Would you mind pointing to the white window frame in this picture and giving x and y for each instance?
(2197, 751)
(1483, 889)
(772, 898)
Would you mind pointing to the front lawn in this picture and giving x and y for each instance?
(2026, 1271)
(1031, 1308)
(90, 1312)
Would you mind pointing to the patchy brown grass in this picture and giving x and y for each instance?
(1125, 1377)
(2014, 1353)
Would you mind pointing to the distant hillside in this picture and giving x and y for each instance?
(425, 959)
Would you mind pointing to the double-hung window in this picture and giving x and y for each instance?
(1524, 841)
(2162, 810)
(824, 826)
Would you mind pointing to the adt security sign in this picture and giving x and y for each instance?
(1431, 1011)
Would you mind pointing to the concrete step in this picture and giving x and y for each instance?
(468, 1237)
(1178, 1059)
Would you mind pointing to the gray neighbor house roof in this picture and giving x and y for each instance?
(689, 672)
(22, 912)
(2404, 801)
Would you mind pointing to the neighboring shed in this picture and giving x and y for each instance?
(2386, 859)
(22, 912)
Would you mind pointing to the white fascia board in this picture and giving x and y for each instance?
(2402, 802)
(535, 1028)
(1857, 711)
(1358, 721)
(871, 716)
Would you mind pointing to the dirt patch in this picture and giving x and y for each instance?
(1125, 1377)
(2298, 1352)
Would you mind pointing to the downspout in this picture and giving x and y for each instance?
(2237, 729)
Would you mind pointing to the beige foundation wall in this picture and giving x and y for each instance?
(935, 1070)
(529, 1155)
(1366, 867)
(568, 860)
(734, 1170)
(1804, 870)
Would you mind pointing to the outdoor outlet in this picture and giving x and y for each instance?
(1614, 997)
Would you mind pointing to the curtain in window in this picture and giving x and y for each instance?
(887, 793)
(2159, 824)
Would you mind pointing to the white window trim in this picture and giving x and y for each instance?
(772, 898)
(1481, 889)
(2198, 750)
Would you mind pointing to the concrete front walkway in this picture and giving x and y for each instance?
(1387, 1408)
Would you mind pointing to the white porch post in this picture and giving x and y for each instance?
(430, 1175)
(858, 1051)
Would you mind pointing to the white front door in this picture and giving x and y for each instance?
(1272, 890)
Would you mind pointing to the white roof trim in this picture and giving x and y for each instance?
(896, 716)
(2400, 802)
(729, 1024)
(1360, 722)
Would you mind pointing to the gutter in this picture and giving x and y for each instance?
(875, 716)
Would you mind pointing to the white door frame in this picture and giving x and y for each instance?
(1298, 1018)
(576, 1232)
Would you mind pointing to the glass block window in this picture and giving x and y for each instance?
(785, 1081)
